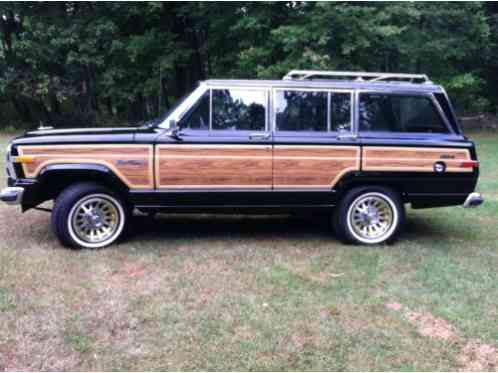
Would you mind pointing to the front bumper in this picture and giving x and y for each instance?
(473, 200)
(12, 195)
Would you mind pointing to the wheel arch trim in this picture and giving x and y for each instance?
(81, 172)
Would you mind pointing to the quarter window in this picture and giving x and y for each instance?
(237, 109)
(396, 113)
(312, 111)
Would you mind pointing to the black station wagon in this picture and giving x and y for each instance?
(356, 145)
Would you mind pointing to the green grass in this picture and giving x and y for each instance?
(203, 292)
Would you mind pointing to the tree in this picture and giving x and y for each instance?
(79, 63)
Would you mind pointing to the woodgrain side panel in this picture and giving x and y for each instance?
(302, 166)
(133, 164)
(214, 166)
(413, 159)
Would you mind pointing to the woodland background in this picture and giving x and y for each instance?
(83, 64)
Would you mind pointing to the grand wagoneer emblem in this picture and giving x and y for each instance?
(129, 162)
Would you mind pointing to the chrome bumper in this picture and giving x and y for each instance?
(12, 195)
(473, 200)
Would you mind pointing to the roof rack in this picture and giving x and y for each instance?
(359, 76)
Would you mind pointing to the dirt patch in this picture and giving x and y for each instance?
(474, 356)
(477, 356)
(430, 326)
(427, 324)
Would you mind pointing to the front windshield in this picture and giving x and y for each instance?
(160, 119)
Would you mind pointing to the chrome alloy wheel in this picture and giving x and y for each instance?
(96, 220)
(372, 217)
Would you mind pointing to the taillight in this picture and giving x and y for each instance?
(469, 164)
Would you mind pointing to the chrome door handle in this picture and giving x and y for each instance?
(347, 136)
(259, 136)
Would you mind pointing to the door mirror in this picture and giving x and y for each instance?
(175, 133)
(173, 124)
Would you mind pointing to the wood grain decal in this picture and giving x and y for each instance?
(304, 167)
(214, 166)
(377, 158)
(131, 163)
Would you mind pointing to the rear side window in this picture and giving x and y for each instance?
(301, 111)
(396, 113)
(312, 111)
(340, 108)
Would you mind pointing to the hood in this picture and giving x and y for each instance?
(82, 135)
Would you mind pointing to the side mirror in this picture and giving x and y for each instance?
(174, 130)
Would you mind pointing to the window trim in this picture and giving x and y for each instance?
(326, 133)
(431, 98)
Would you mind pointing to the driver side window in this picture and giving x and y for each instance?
(234, 109)
(198, 116)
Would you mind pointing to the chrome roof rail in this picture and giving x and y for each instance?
(358, 76)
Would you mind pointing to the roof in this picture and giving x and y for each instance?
(329, 84)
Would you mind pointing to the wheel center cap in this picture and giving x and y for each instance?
(371, 216)
(93, 220)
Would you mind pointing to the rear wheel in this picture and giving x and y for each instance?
(88, 215)
(369, 215)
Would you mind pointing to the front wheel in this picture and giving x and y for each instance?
(89, 216)
(369, 215)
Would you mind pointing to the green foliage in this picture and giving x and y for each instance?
(466, 89)
(81, 63)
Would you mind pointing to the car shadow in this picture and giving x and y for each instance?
(188, 226)
(296, 227)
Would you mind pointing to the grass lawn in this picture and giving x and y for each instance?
(255, 293)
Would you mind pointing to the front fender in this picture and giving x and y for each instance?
(53, 178)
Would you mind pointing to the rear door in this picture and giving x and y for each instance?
(314, 143)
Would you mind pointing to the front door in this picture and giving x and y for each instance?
(314, 146)
(224, 152)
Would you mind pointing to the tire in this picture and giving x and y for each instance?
(369, 216)
(89, 216)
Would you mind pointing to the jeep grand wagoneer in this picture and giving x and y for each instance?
(357, 145)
